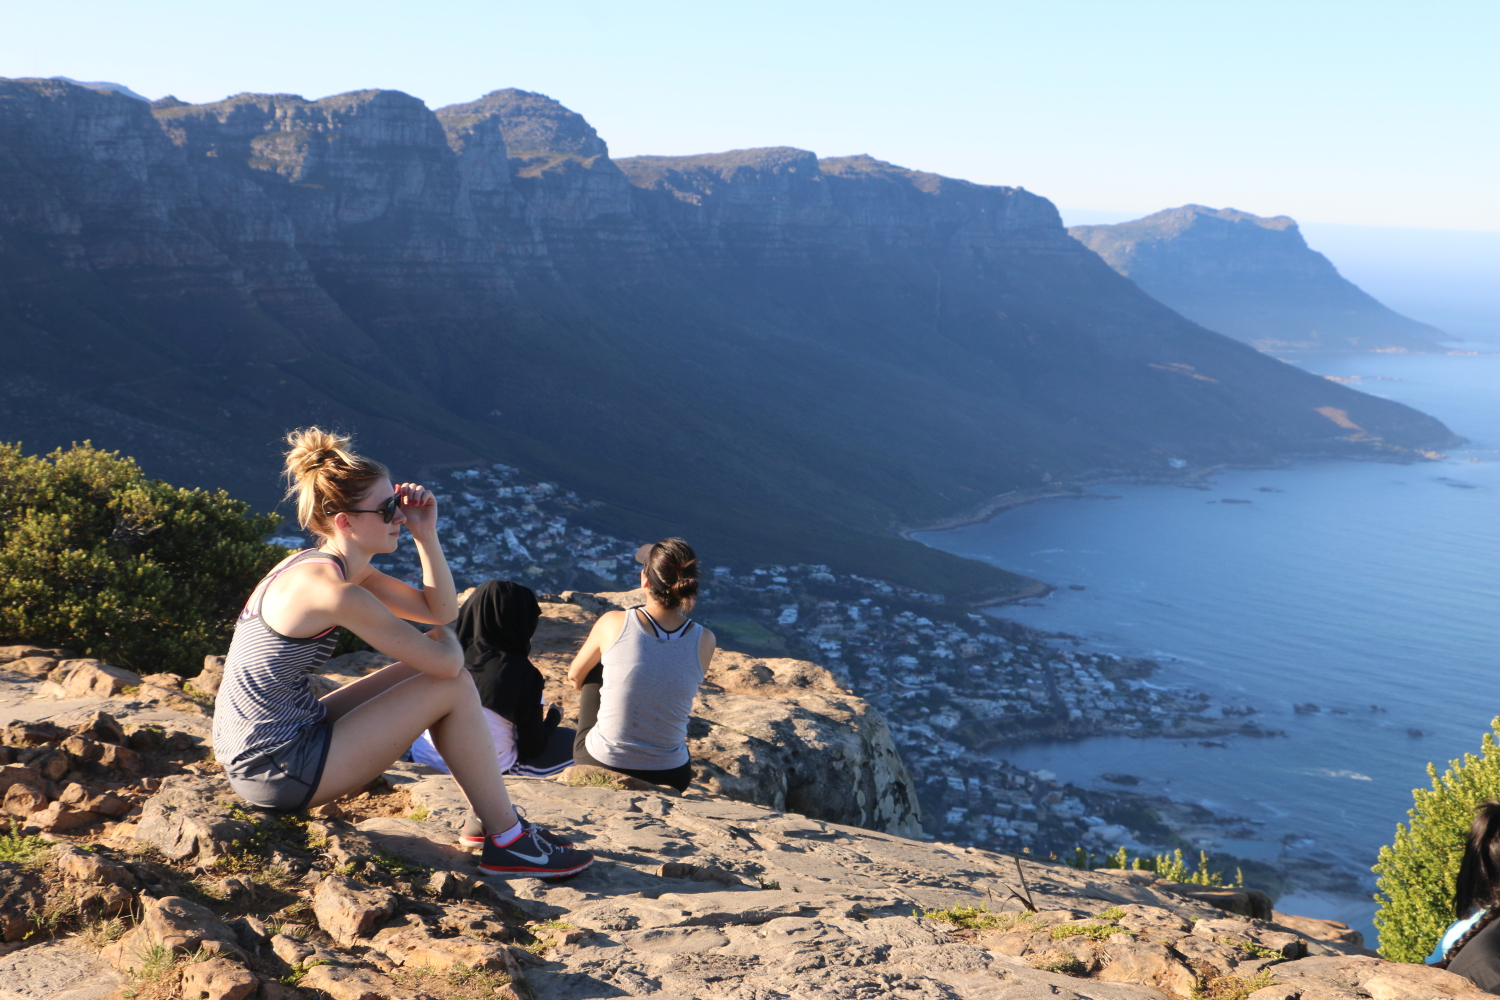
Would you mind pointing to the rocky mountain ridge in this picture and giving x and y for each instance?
(783, 357)
(1254, 279)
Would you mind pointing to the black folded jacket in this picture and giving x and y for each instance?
(495, 625)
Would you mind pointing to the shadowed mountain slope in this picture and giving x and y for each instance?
(780, 357)
(1252, 278)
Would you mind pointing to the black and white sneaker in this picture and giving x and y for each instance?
(473, 836)
(531, 856)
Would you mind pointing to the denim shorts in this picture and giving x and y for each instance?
(284, 779)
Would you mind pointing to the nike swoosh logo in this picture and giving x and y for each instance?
(534, 859)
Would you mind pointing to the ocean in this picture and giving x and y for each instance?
(1368, 590)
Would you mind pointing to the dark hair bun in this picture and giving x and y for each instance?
(672, 572)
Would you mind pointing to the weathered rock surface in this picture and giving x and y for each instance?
(89, 678)
(343, 982)
(218, 979)
(185, 819)
(20, 895)
(1338, 977)
(837, 912)
(32, 666)
(181, 926)
(56, 972)
(212, 675)
(784, 734)
(349, 910)
(8, 654)
(693, 895)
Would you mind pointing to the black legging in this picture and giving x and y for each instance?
(588, 714)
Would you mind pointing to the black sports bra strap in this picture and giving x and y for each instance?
(661, 632)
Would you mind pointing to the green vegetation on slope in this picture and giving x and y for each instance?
(1419, 869)
(134, 570)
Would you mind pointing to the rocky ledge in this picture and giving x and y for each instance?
(691, 896)
(161, 885)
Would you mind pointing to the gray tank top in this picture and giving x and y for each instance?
(647, 697)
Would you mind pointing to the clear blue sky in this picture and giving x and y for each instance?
(1375, 113)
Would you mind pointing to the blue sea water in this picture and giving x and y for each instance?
(1371, 590)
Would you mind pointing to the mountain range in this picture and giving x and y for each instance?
(1253, 278)
(783, 357)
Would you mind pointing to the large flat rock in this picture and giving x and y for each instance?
(56, 972)
(827, 910)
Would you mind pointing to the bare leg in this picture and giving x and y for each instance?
(358, 692)
(372, 733)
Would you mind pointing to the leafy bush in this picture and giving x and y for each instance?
(1418, 871)
(133, 570)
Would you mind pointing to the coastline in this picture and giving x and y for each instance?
(1190, 478)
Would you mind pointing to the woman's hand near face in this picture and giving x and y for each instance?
(419, 504)
(419, 511)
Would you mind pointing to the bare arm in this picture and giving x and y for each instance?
(437, 652)
(405, 601)
(707, 643)
(604, 633)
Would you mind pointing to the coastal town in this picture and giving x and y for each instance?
(955, 685)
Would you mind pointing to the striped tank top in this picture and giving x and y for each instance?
(265, 700)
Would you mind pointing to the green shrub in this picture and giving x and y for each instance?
(1171, 867)
(1094, 932)
(1232, 987)
(135, 571)
(1418, 871)
(21, 850)
(975, 918)
(1065, 963)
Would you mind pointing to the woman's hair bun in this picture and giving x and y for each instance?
(310, 449)
(326, 475)
(672, 572)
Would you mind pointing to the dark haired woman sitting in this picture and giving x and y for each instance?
(639, 672)
(1471, 945)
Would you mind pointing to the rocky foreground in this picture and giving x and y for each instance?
(132, 871)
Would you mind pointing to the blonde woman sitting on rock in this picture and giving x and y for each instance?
(285, 749)
(638, 673)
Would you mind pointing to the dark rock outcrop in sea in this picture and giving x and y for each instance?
(1254, 279)
(779, 356)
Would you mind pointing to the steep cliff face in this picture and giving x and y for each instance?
(784, 207)
(1252, 278)
(779, 356)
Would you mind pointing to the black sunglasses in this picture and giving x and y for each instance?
(386, 510)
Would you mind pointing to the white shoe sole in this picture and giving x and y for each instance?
(534, 873)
